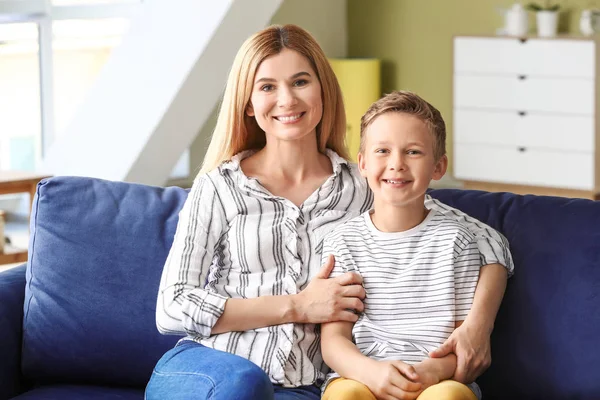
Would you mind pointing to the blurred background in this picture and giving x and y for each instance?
(128, 89)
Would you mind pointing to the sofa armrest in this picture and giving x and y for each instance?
(12, 296)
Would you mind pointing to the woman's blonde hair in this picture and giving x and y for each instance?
(235, 131)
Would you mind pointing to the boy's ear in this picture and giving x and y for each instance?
(250, 110)
(440, 168)
(361, 164)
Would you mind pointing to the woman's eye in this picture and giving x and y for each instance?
(266, 88)
(300, 82)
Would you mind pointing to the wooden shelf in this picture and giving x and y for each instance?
(13, 255)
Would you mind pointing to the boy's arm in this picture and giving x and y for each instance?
(385, 379)
(340, 353)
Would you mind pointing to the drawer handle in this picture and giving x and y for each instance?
(522, 149)
(522, 113)
(522, 77)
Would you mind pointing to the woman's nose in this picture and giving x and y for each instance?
(286, 97)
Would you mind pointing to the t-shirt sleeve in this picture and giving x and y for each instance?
(466, 275)
(334, 246)
(493, 248)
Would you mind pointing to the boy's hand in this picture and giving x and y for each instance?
(330, 300)
(393, 380)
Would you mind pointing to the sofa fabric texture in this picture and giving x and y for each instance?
(83, 311)
(97, 251)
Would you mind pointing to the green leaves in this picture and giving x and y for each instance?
(547, 6)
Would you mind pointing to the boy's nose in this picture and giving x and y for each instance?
(397, 163)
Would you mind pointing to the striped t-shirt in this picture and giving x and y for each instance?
(419, 283)
(234, 239)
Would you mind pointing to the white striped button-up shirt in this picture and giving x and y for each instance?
(234, 239)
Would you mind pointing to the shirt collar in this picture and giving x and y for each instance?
(252, 185)
(234, 163)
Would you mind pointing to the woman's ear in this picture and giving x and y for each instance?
(250, 110)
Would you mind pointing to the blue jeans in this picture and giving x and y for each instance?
(192, 371)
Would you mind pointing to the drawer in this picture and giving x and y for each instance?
(574, 96)
(513, 129)
(559, 58)
(487, 55)
(539, 57)
(533, 167)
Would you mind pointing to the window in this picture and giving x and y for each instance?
(20, 116)
(51, 51)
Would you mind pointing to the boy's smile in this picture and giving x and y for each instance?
(398, 160)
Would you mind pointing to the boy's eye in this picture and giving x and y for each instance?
(300, 82)
(413, 152)
(381, 151)
(266, 88)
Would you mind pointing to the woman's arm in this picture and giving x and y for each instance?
(471, 341)
(323, 300)
(183, 305)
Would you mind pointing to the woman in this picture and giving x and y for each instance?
(243, 279)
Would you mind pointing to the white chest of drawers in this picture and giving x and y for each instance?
(526, 115)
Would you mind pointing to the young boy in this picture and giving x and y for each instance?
(419, 268)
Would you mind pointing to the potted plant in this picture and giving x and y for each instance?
(546, 15)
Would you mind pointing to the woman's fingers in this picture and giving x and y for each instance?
(347, 316)
(349, 278)
(408, 371)
(354, 291)
(352, 303)
(326, 268)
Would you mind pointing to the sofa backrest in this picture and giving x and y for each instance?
(546, 340)
(97, 249)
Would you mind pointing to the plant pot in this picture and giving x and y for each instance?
(547, 23)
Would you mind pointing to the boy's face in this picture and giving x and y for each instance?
(398, 159)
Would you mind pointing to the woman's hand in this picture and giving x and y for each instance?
(329, 300)
(472, 348)
(393, 380)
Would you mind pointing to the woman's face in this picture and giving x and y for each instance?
(286, 97)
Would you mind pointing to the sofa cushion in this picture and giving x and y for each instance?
(97, 249)
(74, 392)
(545, 340)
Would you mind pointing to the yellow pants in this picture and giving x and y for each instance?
(347, 389)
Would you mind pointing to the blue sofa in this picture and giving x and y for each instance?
(78, 321)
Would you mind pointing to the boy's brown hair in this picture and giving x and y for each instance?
(403, 101)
